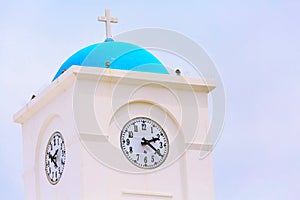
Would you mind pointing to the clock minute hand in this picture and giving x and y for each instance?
(156, 150)
(55, 154)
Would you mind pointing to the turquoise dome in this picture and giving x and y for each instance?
(115, 55)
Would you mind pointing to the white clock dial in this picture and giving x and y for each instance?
(55, 158)
(144, 143)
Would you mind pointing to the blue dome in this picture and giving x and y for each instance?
(115, 55)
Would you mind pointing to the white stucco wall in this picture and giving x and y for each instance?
(89, 106)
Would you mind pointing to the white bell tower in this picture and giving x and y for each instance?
(117, 127)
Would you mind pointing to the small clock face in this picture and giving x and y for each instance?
(55, 158)
(144, 143)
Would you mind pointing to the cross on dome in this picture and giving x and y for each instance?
(108, 20)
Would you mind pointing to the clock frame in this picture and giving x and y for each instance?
(144, 143)
(55, 158)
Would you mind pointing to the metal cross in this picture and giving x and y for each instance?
(108, 20)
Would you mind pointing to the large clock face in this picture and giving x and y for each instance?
(55, 158)
(144, 143)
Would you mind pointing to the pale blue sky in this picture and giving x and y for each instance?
(255, 44)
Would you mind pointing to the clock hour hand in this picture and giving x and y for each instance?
(144, 142)
(147, 142)
(153, 139)
(50, 156)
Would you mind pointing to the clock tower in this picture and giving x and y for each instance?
(115, 123)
